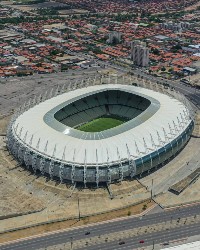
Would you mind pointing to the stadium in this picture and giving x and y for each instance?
(97, 134)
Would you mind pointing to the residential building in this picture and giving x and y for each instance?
(114, 37)
(139, 54)
(176, 26)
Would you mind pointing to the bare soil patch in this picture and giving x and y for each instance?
(4, 123)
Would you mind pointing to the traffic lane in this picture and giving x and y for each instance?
(130, 222)
(96, 230)
(163, 81)
(190, 92)
(181, 88)
(158, 237)
(195, 100)
(148, 241)
(148, 219)
(162, 237)
(178, 86)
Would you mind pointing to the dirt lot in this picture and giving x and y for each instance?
(16, 91)
(3, 124)
(14, 199)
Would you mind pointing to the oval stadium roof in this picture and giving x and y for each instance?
(134, 136)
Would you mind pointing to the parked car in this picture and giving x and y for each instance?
(165, 243)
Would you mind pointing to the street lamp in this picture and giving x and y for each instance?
(79, 212)
(71, 238)
(152, 189)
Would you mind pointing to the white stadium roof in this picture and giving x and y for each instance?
(137, 138)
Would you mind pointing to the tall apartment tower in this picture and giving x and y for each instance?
(175, 26)
(139, 54)
(114, 36)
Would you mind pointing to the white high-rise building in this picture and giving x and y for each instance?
(114, 36)
(139, 54)
(176, 26)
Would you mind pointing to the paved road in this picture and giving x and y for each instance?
(190, 92)
(14, 94)
(116, 226)
(157, 237)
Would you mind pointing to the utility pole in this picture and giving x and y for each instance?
(153, 245)
(79, 213)
(152, 189)
(71, 238)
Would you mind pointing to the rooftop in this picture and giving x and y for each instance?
(149, 123)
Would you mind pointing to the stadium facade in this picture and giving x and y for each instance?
(43, 134)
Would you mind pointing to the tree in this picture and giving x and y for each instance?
(175, 48)
(47, 12)
(144, 207)
(115, 41)
(64, 67)
(39, 64)
(54, 52)
(163, 69)
(155, 51)
(170, 69)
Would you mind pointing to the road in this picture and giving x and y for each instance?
(39, 83)
(190, 92)
(118, 226)
(150, 239)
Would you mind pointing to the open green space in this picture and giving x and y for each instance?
(101, 124)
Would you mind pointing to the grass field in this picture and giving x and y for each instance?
(100, 124)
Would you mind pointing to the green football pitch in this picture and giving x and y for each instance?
(100, 124)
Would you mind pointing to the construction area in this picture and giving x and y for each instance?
(28, 200)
